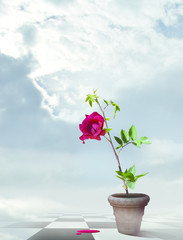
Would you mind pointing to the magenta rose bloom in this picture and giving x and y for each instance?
(92, 127)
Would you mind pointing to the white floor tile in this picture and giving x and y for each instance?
(111, 234)
(154, 225)
(98, 220)
(67, 225)
(162, 219)
(71, 216)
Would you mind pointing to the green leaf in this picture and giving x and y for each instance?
(112, 103)
(107, 129)
(107, 119)
(91, 98)
(94, 91)
(116, 109)
(133, 132)
(141, 175)
(90, 102)
(137, 143)
(118, 140)
(126, 175)
(125, 137)
(95, 96)
(132, 170)
(87, 98)
(129, 176)
(119, 177)
(106, 102)
(120, 173)
(145, 140)
(130, 184)
(119, 146)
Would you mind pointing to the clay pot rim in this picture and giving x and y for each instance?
(130, 195)
(134, 199)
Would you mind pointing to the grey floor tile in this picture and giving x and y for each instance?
(101, 224)
(69, 220)
(61, 234)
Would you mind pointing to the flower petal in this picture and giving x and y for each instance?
(92, 127)
(103, 132)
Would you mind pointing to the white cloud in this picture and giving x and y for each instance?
(50, 167)
(76, 198)
(162, 194)
(89, 44)
(163, 151)
(27, 207)
(48, 102)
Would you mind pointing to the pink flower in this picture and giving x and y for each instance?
(92, 127)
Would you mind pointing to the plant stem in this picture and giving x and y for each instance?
(110, 140)
(107, 138)
(123, 147)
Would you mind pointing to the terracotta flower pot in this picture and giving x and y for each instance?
(128, 211)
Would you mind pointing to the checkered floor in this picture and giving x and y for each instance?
(65, 226)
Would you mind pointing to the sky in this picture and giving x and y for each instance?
(53, 53)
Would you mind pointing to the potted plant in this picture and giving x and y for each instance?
(128, 208)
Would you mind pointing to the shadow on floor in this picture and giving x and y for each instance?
(164, 234)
